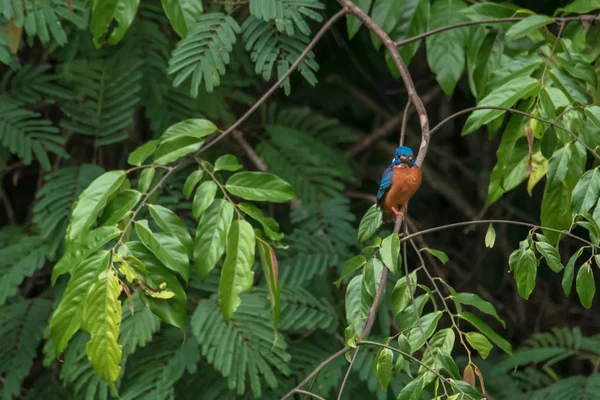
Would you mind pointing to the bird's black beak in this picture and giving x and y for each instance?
(408, 160)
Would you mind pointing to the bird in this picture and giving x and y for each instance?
(399, 182)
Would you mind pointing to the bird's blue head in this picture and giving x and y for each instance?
(404, 155)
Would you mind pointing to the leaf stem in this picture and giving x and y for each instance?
(493, 221)
(423, 35)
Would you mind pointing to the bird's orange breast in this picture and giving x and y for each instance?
(405, 182)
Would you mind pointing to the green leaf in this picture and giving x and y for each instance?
(260, 186)
(204, 197)
(400, 295)
(211, 235)
(526, 26)
(440, 255)
(227, 162)
(68, 316)
(354, 23)
(82, 248)
(408, 317)
(390, 252)
(586, 192)
(412, 391)
(101, 319)
(182, 14)
(357, 304)
(190, 183)
(190, 128)
(571, 87)
(113, 18)
(119, 207)
(166, 247)
(556, 210)
(146, 179)
(490, 236)
(269, 225)
(236, 275)
(580, 7)
(551, 255)
(569, 274)
(525, 273)
(369, 223)
(446, 50)
(372, 276)
(504, 96)
(401, 19)
(479, 343)
(270, 267)
(585, 285)
(172, 311)
(429, 324)
(441, 342)
(170, 223)
(383, 367)
(174, 149)
(350, 266)
(487, 331)
(139, 155)
(91, 201)
(471, 299)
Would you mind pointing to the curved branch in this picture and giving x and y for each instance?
(515, 111)
(277, 84)
(493, 221)
(423, 35)
(404, 74)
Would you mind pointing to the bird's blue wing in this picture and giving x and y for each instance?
(386, 182)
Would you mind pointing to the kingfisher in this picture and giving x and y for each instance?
(398, 184)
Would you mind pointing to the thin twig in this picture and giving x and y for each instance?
(347, 373)
(404, 122)
(252, 155)
(493, 221)
(440, 295)
(10, 212)
(414, 304)
(512, 110)
(316, 371)
(560, 30)
(423, 35)
(306, 392)
(276, 86)
(145, 200)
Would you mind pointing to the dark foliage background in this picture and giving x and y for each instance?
(334, 172)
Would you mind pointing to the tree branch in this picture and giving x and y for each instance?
(515, 111)
(255, 158)
(277, 84)
(347, 373)
(493, 221)
(423, 35)
(404, 74)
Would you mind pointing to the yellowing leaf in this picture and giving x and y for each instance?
(101, 319)
(236, 275)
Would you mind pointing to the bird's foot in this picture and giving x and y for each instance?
(397, 212)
